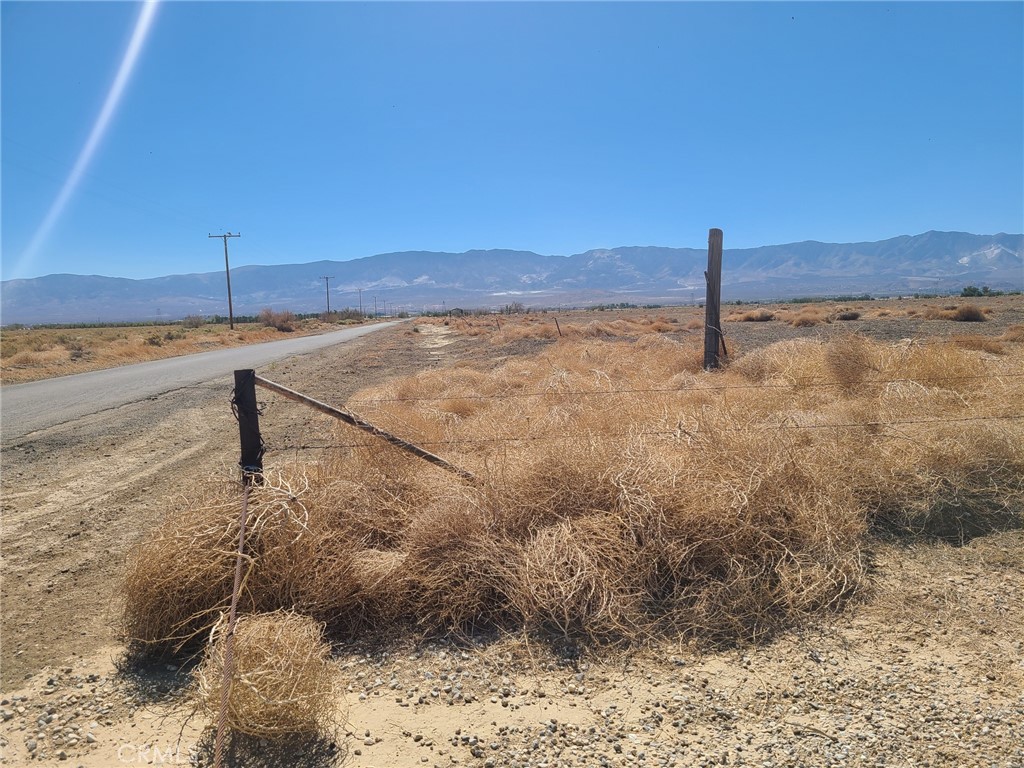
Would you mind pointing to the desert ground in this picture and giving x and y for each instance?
(922, 665)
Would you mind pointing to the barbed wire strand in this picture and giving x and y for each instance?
(654, 433)
(679, 390)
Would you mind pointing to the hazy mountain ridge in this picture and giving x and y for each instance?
(933, 261)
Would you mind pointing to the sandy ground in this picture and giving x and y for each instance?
(926, 669)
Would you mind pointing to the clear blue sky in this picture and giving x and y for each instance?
(341, 130)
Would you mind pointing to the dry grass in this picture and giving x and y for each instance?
(623, 493)
(281, 680)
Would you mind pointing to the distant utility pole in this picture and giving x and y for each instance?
(360, 301)
(375, 307)
(227, 271)
(327, 279)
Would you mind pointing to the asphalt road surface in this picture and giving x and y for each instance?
(25, 408)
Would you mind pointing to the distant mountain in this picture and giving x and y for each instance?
(415, 280)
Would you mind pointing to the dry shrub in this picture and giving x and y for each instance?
(622, 491)
(968, 313)
(752, 316)
(179, 578)
(579, 577)
(787, 362)
(805, 317)
(979, 343)
(29, 358)
(281, 681)
(761, 540)
(1014, 333)
(453, 571)
(507, 329)
(281, 321)
(941, 365)
(964, 313)
(528, 328)
(847, 314)
(850, 361)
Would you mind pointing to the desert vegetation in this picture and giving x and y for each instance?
(279, 321)
(751, 316)
(622, 493)
(500, 329)
(964, 313)
(285, 683)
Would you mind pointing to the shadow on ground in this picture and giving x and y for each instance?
(300, 751)
(151, 680)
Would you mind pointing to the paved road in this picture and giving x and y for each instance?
(25, 408)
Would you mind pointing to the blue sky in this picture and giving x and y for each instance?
(339, 130)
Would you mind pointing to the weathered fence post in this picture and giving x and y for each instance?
(247, 413)
(712, 307)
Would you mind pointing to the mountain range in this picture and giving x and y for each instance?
(933, 262)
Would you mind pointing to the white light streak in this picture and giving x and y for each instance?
(99, 130)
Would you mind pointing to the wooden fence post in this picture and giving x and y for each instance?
(712, 307)
(248, 415)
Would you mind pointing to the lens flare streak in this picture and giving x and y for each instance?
(99, 130)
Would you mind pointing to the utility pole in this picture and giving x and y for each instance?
(360, 302)
(374, 307)
(327, 279)
(227, 271)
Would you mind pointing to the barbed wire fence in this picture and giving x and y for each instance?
(581, 394)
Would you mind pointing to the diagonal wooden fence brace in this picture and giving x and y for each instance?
(355, 421)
